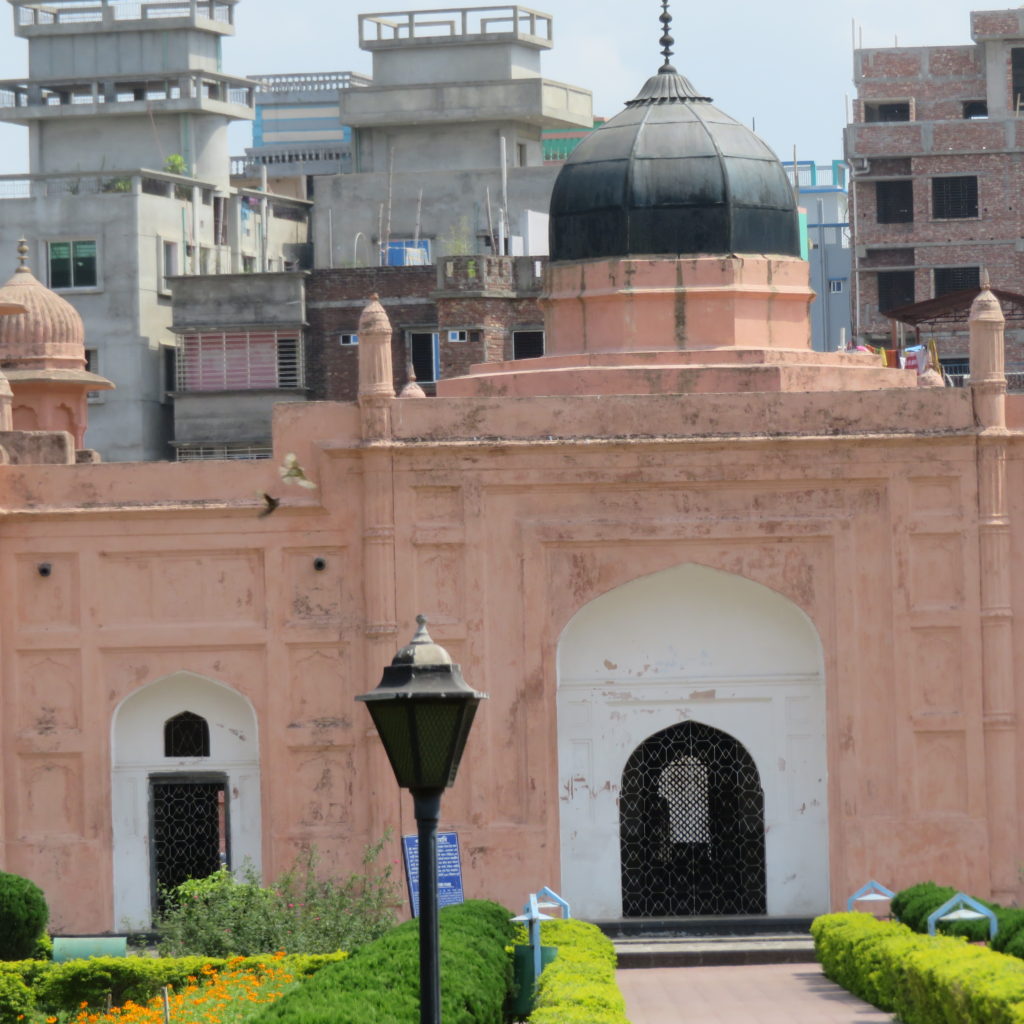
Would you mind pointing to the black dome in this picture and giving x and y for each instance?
(672, 175)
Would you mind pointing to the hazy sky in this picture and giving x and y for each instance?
(785, 66)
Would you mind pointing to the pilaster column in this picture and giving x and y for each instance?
(999, 709)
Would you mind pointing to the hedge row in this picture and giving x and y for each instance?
(39, 984)
(380, 982)
(579, 986)
(922, 979)
(913, 907)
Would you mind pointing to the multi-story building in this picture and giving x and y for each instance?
(937, 152)
(128, 185)
(447, 139)
(824, 199)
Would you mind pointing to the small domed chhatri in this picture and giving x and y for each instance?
(672, 175)
(42, 355)
(49, 332)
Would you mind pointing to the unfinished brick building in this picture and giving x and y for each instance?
(937, 150)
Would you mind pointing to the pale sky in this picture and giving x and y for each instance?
(785, 67)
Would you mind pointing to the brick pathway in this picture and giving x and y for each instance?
(768, 994)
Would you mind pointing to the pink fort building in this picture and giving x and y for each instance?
(747, 613)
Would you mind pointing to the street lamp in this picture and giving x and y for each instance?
(422, 711)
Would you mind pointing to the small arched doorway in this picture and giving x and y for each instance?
(695, 647)
(185, 789)
(691, 826)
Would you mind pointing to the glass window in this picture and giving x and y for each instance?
(72, 264)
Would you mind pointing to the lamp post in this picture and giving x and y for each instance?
(422, 710)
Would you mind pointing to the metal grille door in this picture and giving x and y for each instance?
(691, 826)
(189, 830)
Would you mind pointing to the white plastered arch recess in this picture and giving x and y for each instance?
(137, 745)
(693, 643)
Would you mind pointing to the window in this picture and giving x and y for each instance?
(424, 355)
(169, 264)
(242, 361)
(895, 289)
(92, 364)
(1017, 74)
(894, 202)
(955, 198)
(463, 335)
(892, 111)
(527, 344)
(73, 264)
(408, 253)
(520, 154)
(956, 279)
(348, 339)
(186, 735)
(975, 110)
(836, 286)
(248, 264)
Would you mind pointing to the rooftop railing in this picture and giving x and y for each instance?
(77, 12)
(455, 23)
(327, 81)
(128, 182)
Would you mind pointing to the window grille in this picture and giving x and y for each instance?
(894, 202)
(956, 279)
(186, 735)
(955, 198)
(895, 289)
(240, 361)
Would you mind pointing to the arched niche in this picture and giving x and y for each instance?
(219, 790)
(691, 643)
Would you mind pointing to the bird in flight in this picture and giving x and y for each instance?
(292, 473)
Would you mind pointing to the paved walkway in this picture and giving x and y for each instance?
(767, 994)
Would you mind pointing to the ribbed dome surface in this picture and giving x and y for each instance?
(50, 332)
(672, 175)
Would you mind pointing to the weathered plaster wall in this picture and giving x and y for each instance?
(859, 509)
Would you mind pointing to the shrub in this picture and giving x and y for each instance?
(579, 986)
(23, 917)
(913, 907)
(221, 916)
(15, 998)
(922, 979)
(380, 982)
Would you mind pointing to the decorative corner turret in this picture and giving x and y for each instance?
(376, 378)
(987, 325)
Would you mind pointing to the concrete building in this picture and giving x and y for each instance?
(823, 196)
(447, 139)
(747, 612)
(128, 185)
(937, 150)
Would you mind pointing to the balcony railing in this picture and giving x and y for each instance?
(78, 12)
(327, 81)
(114, 182)
(455, 23)
(114, 89)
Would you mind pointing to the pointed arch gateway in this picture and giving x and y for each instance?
(692, 759)
(185, 789)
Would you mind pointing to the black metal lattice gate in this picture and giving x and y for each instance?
(691, 826)
(189, 829)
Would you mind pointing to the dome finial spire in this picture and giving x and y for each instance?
(22, 256)
(667, 42)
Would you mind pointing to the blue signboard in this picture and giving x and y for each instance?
(449, 870)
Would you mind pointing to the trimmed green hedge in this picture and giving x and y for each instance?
(380, 982)
(921, 978)
(579, 986)
(53, 988)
